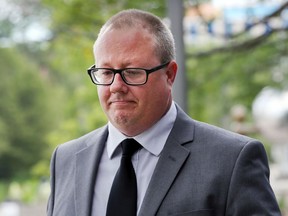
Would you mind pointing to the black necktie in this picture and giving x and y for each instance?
(123, 194)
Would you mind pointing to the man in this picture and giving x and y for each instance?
(184, 167)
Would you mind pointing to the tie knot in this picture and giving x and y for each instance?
(129, 147)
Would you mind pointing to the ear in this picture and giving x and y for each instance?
(171, 72)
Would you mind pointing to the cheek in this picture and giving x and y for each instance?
(102, 94)
(154, 94)
(161, 88)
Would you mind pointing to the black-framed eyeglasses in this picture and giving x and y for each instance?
(131, 76)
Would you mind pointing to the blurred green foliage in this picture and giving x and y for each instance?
(25, 114)
(27, 191)
(219, 81)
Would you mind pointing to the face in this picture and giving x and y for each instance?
(133, 109)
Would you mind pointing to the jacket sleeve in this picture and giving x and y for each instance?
(250, 192)
(50, 204)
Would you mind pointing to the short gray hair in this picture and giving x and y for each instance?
(133, 18)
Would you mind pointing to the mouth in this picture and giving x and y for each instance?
(121, 103)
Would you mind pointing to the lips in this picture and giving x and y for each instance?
(121, 103)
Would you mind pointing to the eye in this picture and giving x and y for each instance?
(134, 72)
(104, 72)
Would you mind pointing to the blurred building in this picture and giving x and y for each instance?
(213, 23)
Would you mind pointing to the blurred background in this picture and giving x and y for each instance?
(233, 57)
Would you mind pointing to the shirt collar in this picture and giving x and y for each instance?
(153, 139)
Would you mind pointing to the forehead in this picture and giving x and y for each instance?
(125, 36)
(127, 45)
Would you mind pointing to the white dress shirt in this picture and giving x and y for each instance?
(144, 161)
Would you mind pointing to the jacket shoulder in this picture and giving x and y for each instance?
(188, 130)
(76, 145)
(213, 134)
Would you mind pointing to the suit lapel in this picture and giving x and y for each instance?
(87, 161)
(166, 170)
(170, 162)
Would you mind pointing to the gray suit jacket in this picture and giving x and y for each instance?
(203, 170)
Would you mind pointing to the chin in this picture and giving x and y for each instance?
(121, 119)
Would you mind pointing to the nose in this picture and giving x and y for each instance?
(118, 84)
